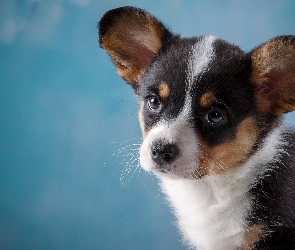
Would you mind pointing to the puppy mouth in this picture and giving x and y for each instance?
(175, 171)
(166, 169)
(163, 170)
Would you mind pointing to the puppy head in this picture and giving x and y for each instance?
(204, 103)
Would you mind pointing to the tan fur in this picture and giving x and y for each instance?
(230, 154)
(141, 120)
(132, 42)
(164, 90)
(252, 235)
(207, 100)
(273, 74)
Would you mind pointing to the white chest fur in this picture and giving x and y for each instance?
(211, 212)
(208, 218)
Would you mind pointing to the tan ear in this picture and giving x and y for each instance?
(273, 75)
(132, 37)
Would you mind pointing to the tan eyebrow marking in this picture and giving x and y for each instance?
(164, 90)
(207, 99)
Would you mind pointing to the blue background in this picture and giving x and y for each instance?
(69, 174)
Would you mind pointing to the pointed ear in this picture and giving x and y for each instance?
(273, 75)
(132, 37)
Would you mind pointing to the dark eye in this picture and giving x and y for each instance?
(154, 103)
(215, 116)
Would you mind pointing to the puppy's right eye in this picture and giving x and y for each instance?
(154, 103)
(215, 117)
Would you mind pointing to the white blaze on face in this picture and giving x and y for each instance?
(201, 55)
(178, 130)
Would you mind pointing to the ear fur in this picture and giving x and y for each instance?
(132, 37)
(273, 75)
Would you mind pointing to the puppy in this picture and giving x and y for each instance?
(211, 119)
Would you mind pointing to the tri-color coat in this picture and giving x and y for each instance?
(211, 118)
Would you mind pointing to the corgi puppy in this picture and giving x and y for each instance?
(211, 119)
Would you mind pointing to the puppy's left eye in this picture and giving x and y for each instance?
(154, 103)
(215, 116)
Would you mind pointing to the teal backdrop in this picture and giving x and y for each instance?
(69, 135)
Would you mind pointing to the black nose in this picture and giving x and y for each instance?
(163, 153)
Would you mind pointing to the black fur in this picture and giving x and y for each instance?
(228, 78)
(274, 200)
(229, 71)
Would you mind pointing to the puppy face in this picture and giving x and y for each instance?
(205, 105)
(191, 125)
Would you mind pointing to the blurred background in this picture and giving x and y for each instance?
(69, 174)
